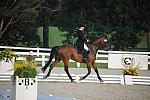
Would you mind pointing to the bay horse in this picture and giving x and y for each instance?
(66, 52)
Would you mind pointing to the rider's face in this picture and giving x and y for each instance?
(81, 28)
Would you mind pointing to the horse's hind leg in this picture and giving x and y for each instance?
(96, 70)
(47, 64)
(45, 67)
(66, 70)
(89, 71)
(52, 66)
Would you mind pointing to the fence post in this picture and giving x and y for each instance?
(78, 65)
(43, 60)
(128, 80)
(38, 51)
(122, 80)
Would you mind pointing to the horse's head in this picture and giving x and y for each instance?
(102, 42)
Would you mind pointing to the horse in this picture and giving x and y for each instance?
(66, 52)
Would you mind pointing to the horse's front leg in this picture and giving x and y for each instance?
(66, 70)
(89, 71)
(96, 70)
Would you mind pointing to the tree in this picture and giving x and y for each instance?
(105, 17)
(21, 34)
(143, 18)
(17, 22)
(123, 20)
(125, 38)
(11, 11)
(47, 10)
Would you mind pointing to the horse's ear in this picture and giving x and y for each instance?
(98, 37)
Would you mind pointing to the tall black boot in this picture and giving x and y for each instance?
(85, 56)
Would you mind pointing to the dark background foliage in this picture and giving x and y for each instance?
(123, 21)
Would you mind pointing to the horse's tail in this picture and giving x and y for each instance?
(54, 53)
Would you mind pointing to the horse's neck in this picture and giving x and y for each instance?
(93, 48)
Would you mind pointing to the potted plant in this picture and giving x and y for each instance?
(25, 69)
(129, 71)
(7, 55)
(6, 61)
(24, 81)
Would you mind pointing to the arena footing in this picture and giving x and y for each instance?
(6, 95)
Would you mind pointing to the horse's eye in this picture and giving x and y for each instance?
(105, 40)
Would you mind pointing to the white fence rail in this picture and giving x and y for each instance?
(112, 79)
(42, 57)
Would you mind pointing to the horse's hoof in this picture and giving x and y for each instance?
(81, 78)
(72, 81)
(44, 77)
(101, 80)
(42, 70)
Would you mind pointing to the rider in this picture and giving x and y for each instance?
(81, 43)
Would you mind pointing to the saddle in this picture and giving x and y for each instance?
(85, 54)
